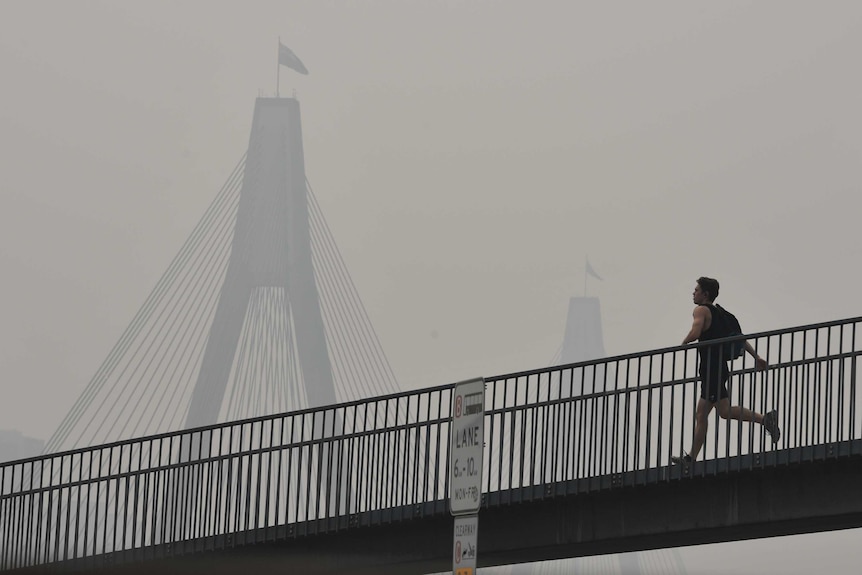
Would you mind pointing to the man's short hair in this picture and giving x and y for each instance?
(709, 285)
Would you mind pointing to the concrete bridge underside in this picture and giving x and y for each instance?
(794, 498)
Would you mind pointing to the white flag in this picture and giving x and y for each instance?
(286, 57)
(592, 272)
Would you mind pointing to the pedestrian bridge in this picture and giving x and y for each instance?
(576, 463)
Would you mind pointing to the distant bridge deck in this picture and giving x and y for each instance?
(576, 464)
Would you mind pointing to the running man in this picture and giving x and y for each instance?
(715, 373)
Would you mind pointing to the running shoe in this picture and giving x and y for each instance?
(684, 459)
(770, 424)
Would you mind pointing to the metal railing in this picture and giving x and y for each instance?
(550, 432)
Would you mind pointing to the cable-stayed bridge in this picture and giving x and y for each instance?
(249, 410)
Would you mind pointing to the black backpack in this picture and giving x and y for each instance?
(728, 326)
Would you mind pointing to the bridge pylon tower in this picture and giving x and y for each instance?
(256, 315)
(271, 251)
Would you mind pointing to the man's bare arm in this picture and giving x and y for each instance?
(697, 324)
(759, 363)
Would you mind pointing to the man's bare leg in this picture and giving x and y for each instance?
(726, 411)
(701, 424)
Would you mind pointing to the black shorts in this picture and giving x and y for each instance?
(713, 380)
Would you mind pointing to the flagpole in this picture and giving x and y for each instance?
(278, 71)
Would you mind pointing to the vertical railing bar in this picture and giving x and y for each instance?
(147, 500)
(38, 538)
(105, 524)
(827, 416)
(32, 555)
(428, 478)
(627, 418)
(117, 484)
(382, 449)
(853, 386)
(159, 502)
(168, 505)
(613, 455)
(288, 477)
(773, 378)
(362, 495)
(186, 505)
(341, 462)
(583, 455)
(229, 497)
(661, 394)
(332, 443)
(546, 409)
(390, 453)
(222, 480)
(791, 397)
(14, 521)
(201, 490)
(177, 485)
(402, 452)
(126, 482)
(319, 448)
(20, 513)
(280, 455)
(416, 434)
(248, 459)
(139, 476)
(683, 416)
(638, 432)
(270, 455)
(511, 453)
(606, 421)
(840, 392)
(672, 415)
(807, 432)
(259, 509)
(6, 559)
(371, 457)
(255, 467)
(853, 396)
(558, 472)
(534, 418)
(648, 424)
(523, 430)
(751, 404)
(535, 454)
(28, 519)
(379, 457)
(594, 423)
(309, 465)
(353, 444)
(495, 454)
(46, 556)
(816, 398)
(568, 440)
(89, 499)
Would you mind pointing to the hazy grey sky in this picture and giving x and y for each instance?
(467, 155)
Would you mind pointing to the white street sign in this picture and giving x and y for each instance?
(465, 545)
(467, 447)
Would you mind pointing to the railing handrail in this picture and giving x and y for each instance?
(675, 348)
(429, 390)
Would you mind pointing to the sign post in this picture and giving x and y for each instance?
(466, 454)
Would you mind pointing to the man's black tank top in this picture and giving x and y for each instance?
(709, 353)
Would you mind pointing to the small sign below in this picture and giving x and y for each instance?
(465, 545)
